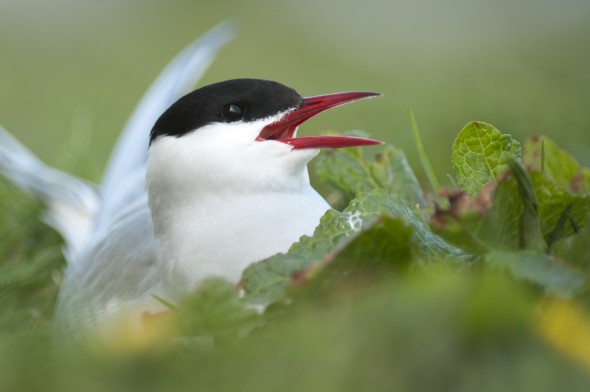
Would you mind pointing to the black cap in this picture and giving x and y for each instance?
(225, 102)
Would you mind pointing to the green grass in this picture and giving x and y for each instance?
(30, 264)
(424, 160)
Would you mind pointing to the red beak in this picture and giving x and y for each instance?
(284, 129)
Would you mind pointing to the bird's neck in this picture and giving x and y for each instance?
(207, 233)
(218, 205)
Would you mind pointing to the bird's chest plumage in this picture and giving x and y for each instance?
(217, 236)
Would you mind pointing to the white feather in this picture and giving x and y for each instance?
(109, 234)
(71, 202)
(127, 163)
(221, 200)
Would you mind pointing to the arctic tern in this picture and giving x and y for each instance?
(227, 185)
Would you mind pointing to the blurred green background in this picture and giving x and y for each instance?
(71, 71)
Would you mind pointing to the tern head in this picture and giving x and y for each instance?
(240, 135)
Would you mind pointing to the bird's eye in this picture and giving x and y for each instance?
(232, 112)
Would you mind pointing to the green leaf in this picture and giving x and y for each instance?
(575, 249)
(556, 277)
(265, 281)
(530, 234)
(363, 210)
(348, 171)
(478, 225)
(562, 186)
(480, 153)
(553, 203)
(524, 211)
(381, 250)
(382, 247)
(386, 242)
(558, 166)
(215, 309)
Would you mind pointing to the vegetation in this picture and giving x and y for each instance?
(479, 287)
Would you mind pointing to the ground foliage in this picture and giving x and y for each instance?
(480, 287)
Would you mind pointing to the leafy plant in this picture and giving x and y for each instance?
(402, 289)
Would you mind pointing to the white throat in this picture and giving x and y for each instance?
(221, 200)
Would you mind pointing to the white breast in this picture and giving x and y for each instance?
(218, 236)
(221, 200)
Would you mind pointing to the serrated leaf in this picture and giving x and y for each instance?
(380, 248)
(558, 166)
(215, 309)
(490, 221)
(364, 210)
(266, 280)
(386, 242)
(480, 153)
(350, 172)
(498, 220)
(556, 277)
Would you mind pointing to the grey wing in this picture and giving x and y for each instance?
(71, 202)
(123, 180)
(110, 240)
(113, 276)
(74, 207)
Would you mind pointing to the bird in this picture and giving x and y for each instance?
(218, 182)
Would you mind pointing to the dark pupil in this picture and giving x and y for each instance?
(232, 112)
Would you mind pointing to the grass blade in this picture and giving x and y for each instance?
(434, 184)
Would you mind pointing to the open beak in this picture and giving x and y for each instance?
(284, 129)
